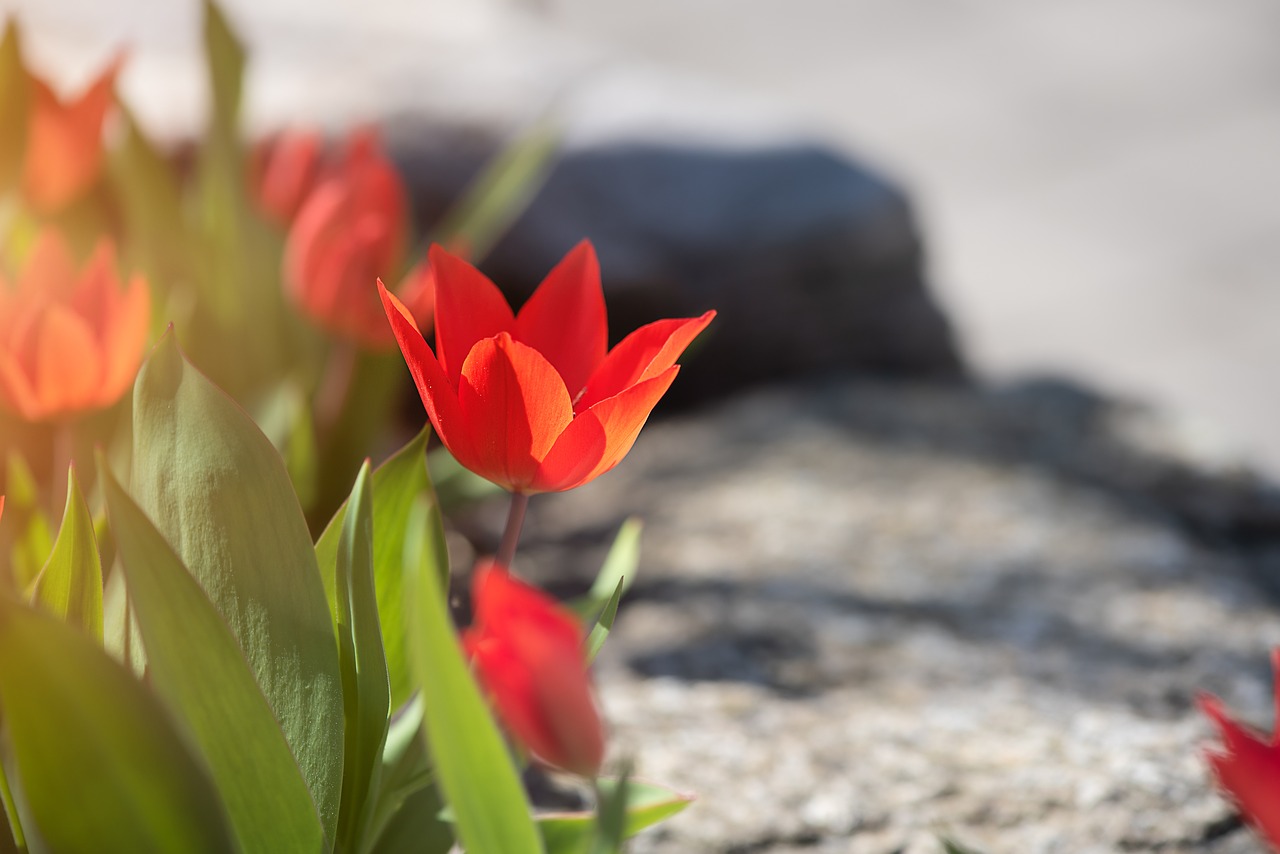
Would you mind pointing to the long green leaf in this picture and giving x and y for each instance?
(70, 585)
(23, 514)
(366, 689)
(397, 484)
(197, 668)
(15, 94)
(472, 763)
(102, 768)
(501, 193)
(226, 58)
(407, 813)
(219, 494)
(647, 804)
(604, 623)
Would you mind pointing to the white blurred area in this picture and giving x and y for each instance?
(1098, 180)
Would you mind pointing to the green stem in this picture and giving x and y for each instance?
(511, 536)
(11, 812)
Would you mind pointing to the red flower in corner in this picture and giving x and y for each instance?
(529, 655)
(349, 232)
(64, 141)
(1248, 769)
(535, 401)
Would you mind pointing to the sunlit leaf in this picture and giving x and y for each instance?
(120, 633)
(472, 763)
(619, 568)
(102, 767)
(226, 59)
(70, 585)
(219, 494)
(604, 623)
(397, 484)
(366, 690)
(647, 804)
(407, 813)
(197, 668)
(611, 815)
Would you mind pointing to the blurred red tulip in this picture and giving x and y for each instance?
(69, 341)
(529, 655)
(1249, 768)
(536, 402)
(348, 233)
(283, 171)
(64, 141)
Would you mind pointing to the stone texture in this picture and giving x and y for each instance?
(867, 614)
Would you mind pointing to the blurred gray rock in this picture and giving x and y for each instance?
(812, 260)
(868, 613)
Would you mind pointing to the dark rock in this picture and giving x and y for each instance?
(813, 262)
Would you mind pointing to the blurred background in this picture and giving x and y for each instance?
(1097, 181)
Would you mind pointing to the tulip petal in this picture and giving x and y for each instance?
(67, 370)
(600, 437)
(469, 308)
(50, 271)
(64, 141)
(125, 338)
(642, 355)
(438, 396)
(1248, 769)
(16, 390)
(514, 406)
(564, 320)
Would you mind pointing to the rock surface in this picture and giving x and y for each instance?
(867, 614)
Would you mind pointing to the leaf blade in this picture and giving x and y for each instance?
(70, 585)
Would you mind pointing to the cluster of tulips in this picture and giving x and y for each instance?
(189, 669)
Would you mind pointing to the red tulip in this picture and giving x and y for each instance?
(529, 655)
(284, 171)
(350, 231)
(69, 341)
(64, 141)
(533, 401)
(1249, 768)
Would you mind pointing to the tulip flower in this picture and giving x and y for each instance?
(70, 341)
(350, 231)
(529, 655)
(284, 171)
(1248, 770)
(536, 402)
(64, 141)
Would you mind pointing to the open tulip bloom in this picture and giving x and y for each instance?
(1248, 768)
(535, 401)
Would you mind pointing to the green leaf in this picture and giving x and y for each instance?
(611, 815)
(501, 192)
(647, 804)
(604, 623)
(397, 484)
(70, 585)
(366, 689)
(617, 573)
(407, 813)
(950, 846)
(120, 634)
(219, 493)
(101, 766)
(15, 95)
(34, 539)
(226, 60)
(473, 765)
(198, 670)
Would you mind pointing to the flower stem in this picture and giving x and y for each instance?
(11, 813)
(511, 536)
(63, 449)
(335, 387)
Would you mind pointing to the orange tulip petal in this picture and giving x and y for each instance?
(67, 369)
(514, 406)
(125, 338)
(600, 437)
(642, 355)
(16, 389)
(50, 271)
(564, 320)
(469, 308)
(438, 396)
(64, 141)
